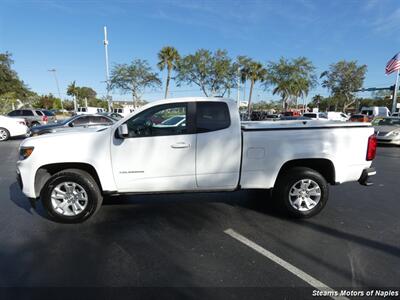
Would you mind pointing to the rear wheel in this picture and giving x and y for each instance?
(4, 134)
(301, 192)
(33, 124)
(71, 196)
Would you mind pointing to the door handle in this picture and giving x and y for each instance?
(180, 145)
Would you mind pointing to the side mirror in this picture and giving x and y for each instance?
(71, 124)
(122, 131)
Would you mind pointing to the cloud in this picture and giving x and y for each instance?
(388, 23)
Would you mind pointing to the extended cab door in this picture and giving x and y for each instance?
(218, 150)
(158, 154)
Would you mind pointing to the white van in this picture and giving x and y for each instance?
(123, 111)
(337, 116)
(89, 110)
(375, 111)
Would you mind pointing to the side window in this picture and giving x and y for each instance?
(14, 113)
(27, 113)
(211, 116)
(159, 121)
(99, 120)
(81, 121)
(39, 113)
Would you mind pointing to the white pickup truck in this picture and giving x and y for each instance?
(211, 150)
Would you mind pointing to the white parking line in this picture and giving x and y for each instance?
(289, 267)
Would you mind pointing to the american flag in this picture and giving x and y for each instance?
(393, 64)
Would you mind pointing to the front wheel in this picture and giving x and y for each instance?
(4, 134)
(71, 196)
(301, 192)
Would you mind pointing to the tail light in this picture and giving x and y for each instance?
(371, 151)
(45, 118)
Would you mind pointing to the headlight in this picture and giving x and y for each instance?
(395, 133)
(25, 152)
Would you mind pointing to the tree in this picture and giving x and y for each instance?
(291, 79)
(255, 72)
(214, 72)
(81, 93)
(342, 80)
(168, 58)
(9, 81)
(134, 78)
(316, 101)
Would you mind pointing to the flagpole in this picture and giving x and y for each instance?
(396, 87)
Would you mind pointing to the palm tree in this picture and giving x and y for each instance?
(168, 57)
(73, 90)
(255, 72)
(291, 79)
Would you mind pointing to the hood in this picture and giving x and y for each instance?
(46, 127)
(64, 136)
(12, 119)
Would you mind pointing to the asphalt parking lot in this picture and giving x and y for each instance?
(182, 240)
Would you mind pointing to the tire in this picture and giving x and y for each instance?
(33, 124)
(76, 207)
(296, 192)
(4, 134)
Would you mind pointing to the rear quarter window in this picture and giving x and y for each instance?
(27, 113)
(212, 116)
(14, 113)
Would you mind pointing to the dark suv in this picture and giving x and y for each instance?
(34, 117)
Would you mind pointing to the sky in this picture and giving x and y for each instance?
(68, 36)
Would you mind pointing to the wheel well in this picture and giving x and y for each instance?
(44, 173)
(323, 166)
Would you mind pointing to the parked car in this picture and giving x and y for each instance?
(359, 118)
(395, 115)
(179, 120)
(89, 110)
(215, 151)
(51, 116)
(122, 111)
(113, 115)
(33, 117)
(11, 127)
(375, 111)
(337, 116)
(387, 130)
(292, 118)
(316, 116)
(74, 122)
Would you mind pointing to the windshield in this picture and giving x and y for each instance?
(367, 112)
(387, 122)
(310, 115)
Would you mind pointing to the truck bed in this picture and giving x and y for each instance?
(268, 145)
(298, 124)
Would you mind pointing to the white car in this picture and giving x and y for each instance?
(316, 116)
(337, 116)
(213, 151)
(10, 127)
(123, 111)
(89, 110)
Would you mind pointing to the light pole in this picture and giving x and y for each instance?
(107, 68)
(54, 71)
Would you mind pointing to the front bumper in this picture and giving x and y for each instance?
(366, 175)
